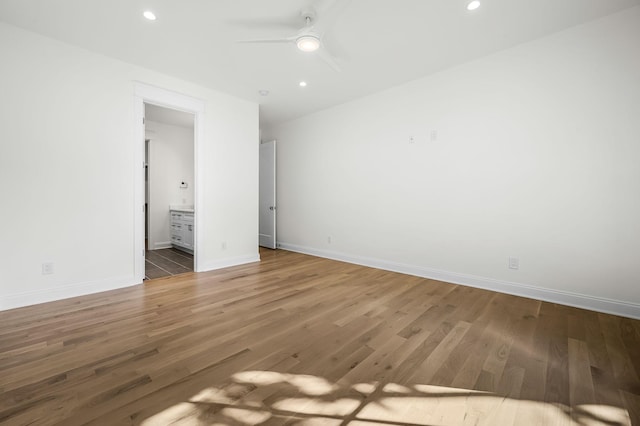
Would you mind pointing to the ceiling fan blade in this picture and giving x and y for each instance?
(323, 6)
(267, 24)
(330, 60)
(269, 40)
(329, 11)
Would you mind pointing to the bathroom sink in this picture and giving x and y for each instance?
(182, 207)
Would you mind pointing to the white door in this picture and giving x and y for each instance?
(267, 204)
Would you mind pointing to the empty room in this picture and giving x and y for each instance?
(320, 212)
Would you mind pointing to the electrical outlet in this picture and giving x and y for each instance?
(433, 135)
(329, 240)
(514, 263)
(47, 268)
(224, 245)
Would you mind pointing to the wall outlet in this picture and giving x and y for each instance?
(329, 240)
(433, 135)
(47, 268)
(224, 245)
(514, 263)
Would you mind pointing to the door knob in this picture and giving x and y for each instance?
(272, 208)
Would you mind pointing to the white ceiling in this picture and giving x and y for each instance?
(379, 43)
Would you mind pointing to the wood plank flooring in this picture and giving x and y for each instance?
(301, 340)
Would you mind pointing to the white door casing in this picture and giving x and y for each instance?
(144, 93)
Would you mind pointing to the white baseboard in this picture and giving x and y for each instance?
(227, 262)
(609, 306)
(35, 297)
(162, 245)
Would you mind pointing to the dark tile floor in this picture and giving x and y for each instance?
(167, 262)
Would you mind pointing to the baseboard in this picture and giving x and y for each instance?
(227, 262)
(162, 245)
(35, 297)
(609, 306)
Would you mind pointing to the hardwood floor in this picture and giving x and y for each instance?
(301, 340)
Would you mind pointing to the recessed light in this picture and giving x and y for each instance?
(473, 5)
(263, 92)
(149, 15)
(303, 84)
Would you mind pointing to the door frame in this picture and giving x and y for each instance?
(144, 93)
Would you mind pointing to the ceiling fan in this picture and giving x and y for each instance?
(309, 38)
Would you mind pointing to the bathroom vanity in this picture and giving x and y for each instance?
(182, 228)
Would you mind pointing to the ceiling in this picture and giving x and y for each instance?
(378, 43)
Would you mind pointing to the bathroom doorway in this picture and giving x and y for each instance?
(169, 191)
(145, 94)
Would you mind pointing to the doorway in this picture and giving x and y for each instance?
(169, 191)
(150, 95)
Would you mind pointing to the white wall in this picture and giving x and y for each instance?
(67, 170)
(170, 163)
(536, 156)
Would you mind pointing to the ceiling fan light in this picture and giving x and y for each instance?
(308, 43)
